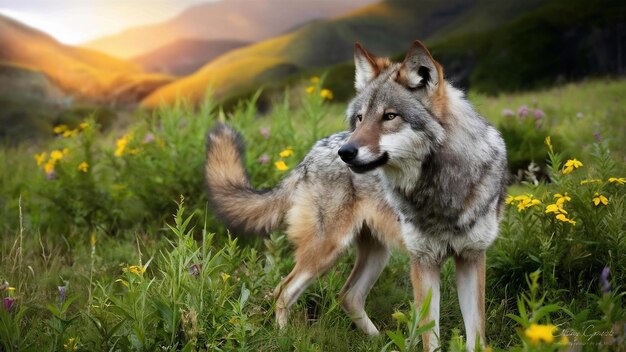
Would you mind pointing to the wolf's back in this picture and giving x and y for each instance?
(232, 197)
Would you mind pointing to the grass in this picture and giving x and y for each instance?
(113, 258)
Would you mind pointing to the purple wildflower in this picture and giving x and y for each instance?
(597, 136)
(62, 292)
(522, 111)
(538, 114)
(507, 113)
(265, 132)
(149, 138)
(604, 280)
(263, 159)
(8, 303)
(194, 270)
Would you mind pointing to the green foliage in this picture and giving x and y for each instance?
(144, 280)
(407, 335)
(523, 135)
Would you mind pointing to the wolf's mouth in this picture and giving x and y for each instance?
(361, 168)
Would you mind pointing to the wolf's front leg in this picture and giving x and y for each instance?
(425, 277)
(371, 258)
(470, 285)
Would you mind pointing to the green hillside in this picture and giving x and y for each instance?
(82, 73)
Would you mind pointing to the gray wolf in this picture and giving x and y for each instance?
(419, 169)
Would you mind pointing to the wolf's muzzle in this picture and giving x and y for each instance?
(348, 152)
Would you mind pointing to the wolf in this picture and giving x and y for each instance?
(419, 169)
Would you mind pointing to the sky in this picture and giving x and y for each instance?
(79, 21)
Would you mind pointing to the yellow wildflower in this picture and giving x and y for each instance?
(70, 133)
(548, 142)
(60, 129)
(562, 198)
(56, 155)
(71, 344)
(555, 208)
(315, 79)
(564, 340)
(83, 166)
(225, 277)
(40, 158)
(135, 269)
(598, 198)
(11, 289)
(537, 333)
(564, 218)
(49, 167)
(310, 89)
(83, 125)
(286, 153)
(65, 151)
(571, 165)
(620, 180)
(327, 94)
(121, 145)
(509, 200)
(595, 180)
(280, 165)
(527, 202)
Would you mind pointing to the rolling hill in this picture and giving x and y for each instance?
(385, 28)
(239, 20)
(83, 73)
(185, 56)
(488, 45)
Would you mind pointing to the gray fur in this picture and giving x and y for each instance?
(459, 164)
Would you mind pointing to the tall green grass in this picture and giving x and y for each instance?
(110, 257)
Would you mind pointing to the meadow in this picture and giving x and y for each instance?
(107, 241)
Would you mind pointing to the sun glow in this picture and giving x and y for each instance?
(77, 21)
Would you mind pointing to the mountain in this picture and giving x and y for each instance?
(184, 56)
(238, 20)
(82, 73)
(492, 46)
(385, 28)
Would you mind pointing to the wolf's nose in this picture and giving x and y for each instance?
(348, 152)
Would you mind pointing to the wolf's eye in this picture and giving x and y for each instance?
(359, 117)
(389, 116)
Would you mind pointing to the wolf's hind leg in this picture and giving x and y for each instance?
(288, 291)
(313, 259)
(371, 259)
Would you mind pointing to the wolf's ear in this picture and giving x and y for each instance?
(419, 69)
(366, 68)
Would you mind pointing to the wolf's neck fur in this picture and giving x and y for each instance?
(404, 177)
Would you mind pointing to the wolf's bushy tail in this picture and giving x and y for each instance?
(232, 197)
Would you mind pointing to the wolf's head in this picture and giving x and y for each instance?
(399, 111)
